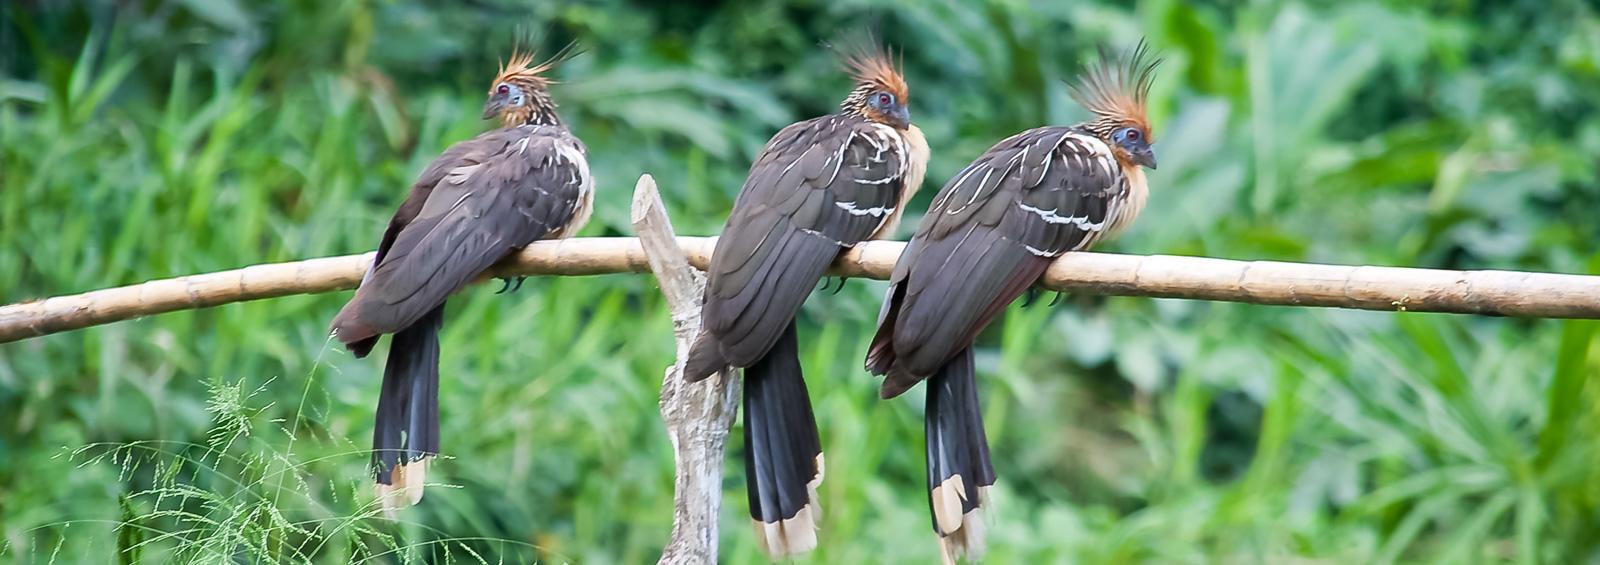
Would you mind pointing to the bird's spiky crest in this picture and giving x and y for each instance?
(874, 67)
(1117, 88)
(522, 70)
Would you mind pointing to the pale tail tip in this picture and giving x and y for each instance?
(811, 489)
(797, 534)
(405, 488)
(947, 498)
(961, 534)
(788, 537)
(968, 542)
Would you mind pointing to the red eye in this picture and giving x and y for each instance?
(503, 89)
(885, 99)
(1133, 135)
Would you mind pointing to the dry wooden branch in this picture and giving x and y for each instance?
(1502, 293)
(697, 416)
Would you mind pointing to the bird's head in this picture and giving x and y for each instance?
(1115, 91)
(880, 93)
(520, 93)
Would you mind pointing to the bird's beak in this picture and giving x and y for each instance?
(1146, 158)
(903, 115)
(492, 107)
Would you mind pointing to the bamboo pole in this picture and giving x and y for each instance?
(1499, 293)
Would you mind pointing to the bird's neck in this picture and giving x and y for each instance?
(855, 103)
(531, 117)
(917, 160)
(853, 111)
(915, 170)
(1133, 203)
(540, 111)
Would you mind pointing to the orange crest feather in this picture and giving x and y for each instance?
(1118, 87)
(522, 70)
(873, 65)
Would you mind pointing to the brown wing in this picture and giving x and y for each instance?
(403, 216)
(495, 194)
(990, 234)
(819, 186)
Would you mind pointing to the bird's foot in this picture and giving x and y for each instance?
(828, 282)
(1030, 297)
(510, 284)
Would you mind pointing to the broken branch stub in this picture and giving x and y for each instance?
(698, 416)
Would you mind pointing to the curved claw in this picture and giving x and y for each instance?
(1032, 295)
(505, 283)
(1053, 301)
(518, 286)
(827, 282)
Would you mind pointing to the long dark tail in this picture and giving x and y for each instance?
(959, 470)
(405, 436)
(783, 454)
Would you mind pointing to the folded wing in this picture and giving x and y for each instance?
(490, 196)
(819, 186)
(989, 235)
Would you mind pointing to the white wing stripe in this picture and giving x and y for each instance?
(581, 175)
(838, 158)
(796, 161)
(973, 168)
(875, 211)
(1051, 217)
(459, 175)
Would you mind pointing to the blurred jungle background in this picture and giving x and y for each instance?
(153, 138)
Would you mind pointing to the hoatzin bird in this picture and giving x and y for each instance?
(818, 187)
(988, 236)
(482, 200)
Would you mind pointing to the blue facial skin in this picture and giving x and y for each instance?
(1133, 141)
(885, 102)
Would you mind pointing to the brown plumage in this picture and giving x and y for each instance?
(480, 201)
(989, 235)
(817, 188)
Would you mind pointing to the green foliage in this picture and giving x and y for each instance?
(141, 140)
